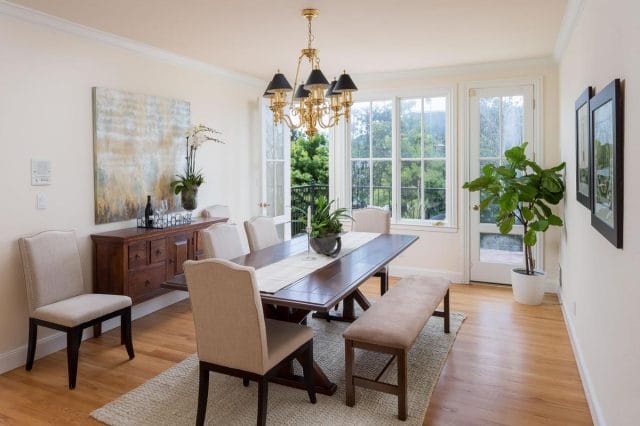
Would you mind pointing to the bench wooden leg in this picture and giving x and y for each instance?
(402, 384)
(446, 312)
(348, 372)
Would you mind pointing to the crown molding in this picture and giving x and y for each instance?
(448, 71)
(40, 18)
(569, 21)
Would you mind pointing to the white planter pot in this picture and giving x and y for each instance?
(527, 289)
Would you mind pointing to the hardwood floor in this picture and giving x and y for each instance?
(510, 365)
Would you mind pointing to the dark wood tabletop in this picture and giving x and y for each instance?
(323, 288)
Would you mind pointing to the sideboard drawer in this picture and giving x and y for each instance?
(136, 261)
(158, 250)
(146, 281)
(137, 255)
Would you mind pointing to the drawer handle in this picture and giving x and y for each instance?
(137, 256)
(170, 260)
(158, 252)
(147, 283)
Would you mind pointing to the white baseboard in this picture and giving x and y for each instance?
(552, 286)
(405, 271)
(587, 384)
(47, 345)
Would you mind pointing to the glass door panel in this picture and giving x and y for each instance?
(500, 118)
(276, 173)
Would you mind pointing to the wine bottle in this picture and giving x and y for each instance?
(148, 213)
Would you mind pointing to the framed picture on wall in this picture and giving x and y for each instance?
(583, 150)
(606, 115)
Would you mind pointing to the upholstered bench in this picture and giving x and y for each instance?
(391, 326)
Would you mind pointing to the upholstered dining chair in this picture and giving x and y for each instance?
(216, 210)
(57, 299)
(261, 232)
(222, 241)
(374, 219)
(232, 335)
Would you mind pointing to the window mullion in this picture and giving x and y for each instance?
(422, 160)
(370, 154)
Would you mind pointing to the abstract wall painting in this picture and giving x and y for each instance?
(138, 148)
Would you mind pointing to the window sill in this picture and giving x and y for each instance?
(423, 227)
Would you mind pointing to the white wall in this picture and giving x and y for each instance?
(601, 289)
(46, 76)
(441, 251)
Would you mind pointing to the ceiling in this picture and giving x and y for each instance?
(362, 36)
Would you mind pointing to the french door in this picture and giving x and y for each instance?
(499, 118)
(276, 172)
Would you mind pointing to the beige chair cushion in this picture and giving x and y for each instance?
(371, 219)
(216, 210)
(261, 232)
(80, 309)
(283, 338)
(52, 269)
(398, 317)
(222, 241)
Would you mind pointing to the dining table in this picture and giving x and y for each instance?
(320, 290)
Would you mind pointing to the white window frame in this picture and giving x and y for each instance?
(451, 154)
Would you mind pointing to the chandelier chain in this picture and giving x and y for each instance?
(310, 35)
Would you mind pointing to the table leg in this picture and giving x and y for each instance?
(285, 375)
(321, 382)
(348, 312)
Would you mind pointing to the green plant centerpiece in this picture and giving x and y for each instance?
(188, 182)
(523, 192)
(326, 227)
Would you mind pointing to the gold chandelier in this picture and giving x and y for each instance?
(310, 107)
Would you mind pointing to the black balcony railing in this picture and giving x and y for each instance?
(305, 195)
(301, 197)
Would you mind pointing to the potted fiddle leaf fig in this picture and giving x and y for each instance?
(523, 192)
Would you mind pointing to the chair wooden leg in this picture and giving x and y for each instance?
(446, 312)
(307, 368)
(125, 332)
(74, 337)
(402, 384)
(245, 382)
(203, 395)
(33, 338)
(263, 397)
(348, 372)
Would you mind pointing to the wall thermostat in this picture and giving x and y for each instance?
(40, 172)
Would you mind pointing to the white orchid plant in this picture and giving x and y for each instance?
(195, 136)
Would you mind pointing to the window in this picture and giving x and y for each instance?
(403, 164)
(371, 161)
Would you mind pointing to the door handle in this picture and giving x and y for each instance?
(476, 207)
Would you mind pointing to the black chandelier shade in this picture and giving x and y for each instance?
(268, 95)
(301, 93)
(345, 84)
(279, 83)
(316, 80)
(330, 91)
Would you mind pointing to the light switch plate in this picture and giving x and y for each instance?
(41, 201)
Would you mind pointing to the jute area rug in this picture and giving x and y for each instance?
(171, 397)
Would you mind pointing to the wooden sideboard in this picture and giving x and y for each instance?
(135, 261)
